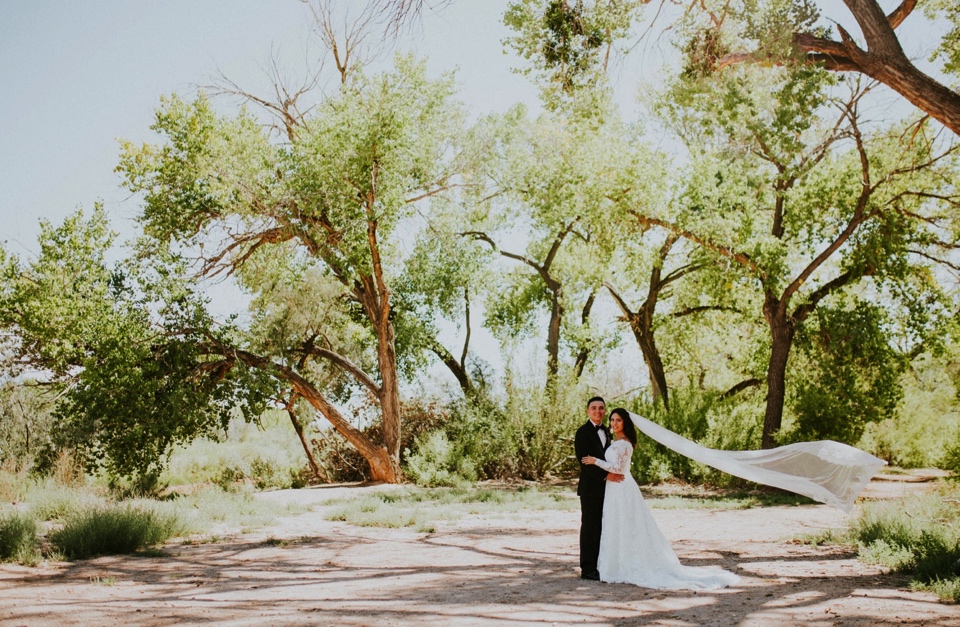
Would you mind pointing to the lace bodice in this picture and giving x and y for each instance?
(618, 458)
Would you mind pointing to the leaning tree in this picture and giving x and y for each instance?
(330, 201)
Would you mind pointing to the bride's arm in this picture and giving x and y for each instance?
(620, 464)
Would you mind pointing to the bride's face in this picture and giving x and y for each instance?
(616, 424)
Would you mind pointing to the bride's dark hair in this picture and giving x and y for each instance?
(629, 431)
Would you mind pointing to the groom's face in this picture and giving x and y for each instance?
(596, 411)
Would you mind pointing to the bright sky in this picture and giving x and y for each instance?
(75, 76)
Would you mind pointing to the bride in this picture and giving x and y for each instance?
(632, 547)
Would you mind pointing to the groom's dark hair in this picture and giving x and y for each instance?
(596, 398)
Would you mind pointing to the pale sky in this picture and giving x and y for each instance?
(76, 76)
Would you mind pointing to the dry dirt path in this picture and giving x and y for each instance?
(516, 570)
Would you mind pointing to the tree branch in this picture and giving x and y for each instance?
(741, 258)
(344, 364)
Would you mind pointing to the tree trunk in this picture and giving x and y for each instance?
(389, 398)
(584, 353)
(925, 93)
(651, 357)
(314, 466)
(455, 367)
(553, 338)
(781, 332)
(641, 323)
(383, 466)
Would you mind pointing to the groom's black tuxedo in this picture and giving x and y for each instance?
(590, 488)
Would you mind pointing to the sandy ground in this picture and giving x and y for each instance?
(520, 570)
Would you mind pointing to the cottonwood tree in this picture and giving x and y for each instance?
(550, 182)
(121, 347)
(567, 41)
(336, 191)
(791, 31)
(681, 291)
(805, 204)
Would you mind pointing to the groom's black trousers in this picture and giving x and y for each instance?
(591, 519)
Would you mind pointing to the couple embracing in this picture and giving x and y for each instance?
(619, 539)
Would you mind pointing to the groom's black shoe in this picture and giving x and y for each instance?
(591, 576)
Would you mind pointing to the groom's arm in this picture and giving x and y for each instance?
(583, 448)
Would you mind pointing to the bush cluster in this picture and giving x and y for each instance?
(920, 535)
(18, 537)
(113, 530)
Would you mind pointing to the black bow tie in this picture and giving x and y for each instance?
(598, 427)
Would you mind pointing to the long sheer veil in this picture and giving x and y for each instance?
(826, 471)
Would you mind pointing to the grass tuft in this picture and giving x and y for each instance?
(113, 531)
(18, 538)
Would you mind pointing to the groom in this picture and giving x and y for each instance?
(592, 439)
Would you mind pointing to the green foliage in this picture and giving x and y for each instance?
(949, 49)
(18, 537)
(126, 346)
(688, 416)
(228, 460)
(923, 432)
(436, 463)
(26, 425)
(542, 423)
(918, 535)
(567, 43)
(851, 374)
(112, 531)
(476, 442)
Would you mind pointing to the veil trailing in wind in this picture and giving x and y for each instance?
(826, 471)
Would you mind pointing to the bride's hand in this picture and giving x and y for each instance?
(589, 460)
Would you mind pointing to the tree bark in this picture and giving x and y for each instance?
(782, 330)
(311, 460)
(455, 367)
(581, 361)
(383, 466)
(641, 324)
(553, 336)
(883, 60)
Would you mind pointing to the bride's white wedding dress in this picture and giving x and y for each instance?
(632, 547)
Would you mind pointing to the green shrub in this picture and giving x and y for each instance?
(484, 438)
(18, 537)
(950, 459)
(919, 535)
(436, 463)
(145, 484)
(688, 416)
(229, 477)
(926, 430)
(268, 474)
(113, 530)
(542, 425)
